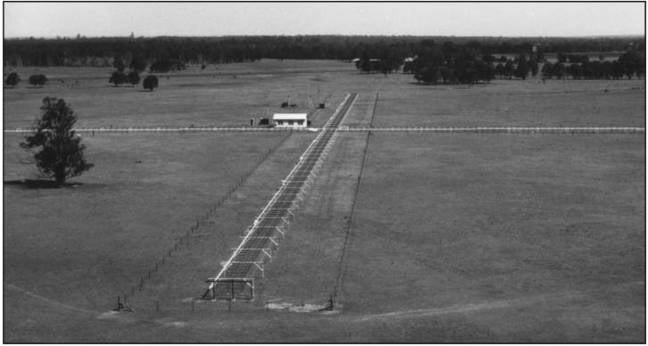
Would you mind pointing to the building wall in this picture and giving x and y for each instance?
(290, 123)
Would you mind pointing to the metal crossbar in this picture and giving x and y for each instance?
(245, 263)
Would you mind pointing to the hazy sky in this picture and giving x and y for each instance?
(213, 19)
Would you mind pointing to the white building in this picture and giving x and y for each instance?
(290, 119)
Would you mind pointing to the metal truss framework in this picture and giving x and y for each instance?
(236, 279)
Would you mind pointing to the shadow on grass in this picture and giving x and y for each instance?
(39, 184)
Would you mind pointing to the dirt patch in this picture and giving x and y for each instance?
(290, 307)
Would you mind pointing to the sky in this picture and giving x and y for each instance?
(218, 19)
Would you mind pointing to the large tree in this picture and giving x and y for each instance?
(61, 154)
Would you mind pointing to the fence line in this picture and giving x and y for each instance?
(99, 130)
(184, 240)
(237, 267)
(341, 270)
(526, 130)
(519, 129)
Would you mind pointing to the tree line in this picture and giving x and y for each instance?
(448, 63)
(628, 65)
(163, 54)
(13, 78)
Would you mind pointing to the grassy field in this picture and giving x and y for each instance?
(539, 238)
(193, 97)
(514, 103)
(454, 237)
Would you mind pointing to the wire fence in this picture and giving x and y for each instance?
(341, 270)
(421, 129)
(500, 130)
(184, 241)
(190, 129)
(278, 212)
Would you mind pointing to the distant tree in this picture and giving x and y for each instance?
(447, 74)
(161, 66)
(509, 69)
(12, 79)
(485, 70)
(150, 82)
(617, 70)
(631, 62)
(117, 78)
(488, 58)
(408, 66)
(61, 156)
(522, 69)
(118, 63)
(133, 78)
(138, 64)
(166, 65)
(533, 64)
(37, 79)
(499, 69)
(547, 70)
(559, 70)
(575, 70)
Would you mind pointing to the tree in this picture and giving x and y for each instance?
(508, 69)
(138, 64)
(117, 78)
(522, 69)
(150, 82)
(559, 70)
(631, 62)
(533, 64)
(427, 75)
(133, 78)
(118, 63)
(37, 79)
(408, 66)
(499, 69)
(547, 70)
(12, 79)
(61, 156)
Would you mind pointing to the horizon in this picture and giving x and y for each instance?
(171, 19)
(82, 37)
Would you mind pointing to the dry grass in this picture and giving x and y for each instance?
(466, 219)
(92, 242)
(199, 98)
(456, 237)
(514, 103)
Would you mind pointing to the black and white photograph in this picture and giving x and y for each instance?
(324, 172)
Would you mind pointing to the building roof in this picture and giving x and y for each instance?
(290, 116)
